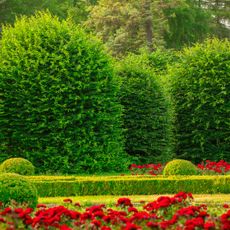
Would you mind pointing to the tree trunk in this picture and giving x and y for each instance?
(148, 23)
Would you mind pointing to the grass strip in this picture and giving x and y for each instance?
(214, 199)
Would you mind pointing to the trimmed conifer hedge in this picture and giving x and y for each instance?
(59, 106)
(201, 94)
(147, 118)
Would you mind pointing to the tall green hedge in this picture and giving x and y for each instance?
(201, 92)
(147, 119)
(59, 106)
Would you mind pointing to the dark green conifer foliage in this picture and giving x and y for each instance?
(147, 120)
(201, 92)
(59, 106)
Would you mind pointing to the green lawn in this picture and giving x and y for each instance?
(214, 199)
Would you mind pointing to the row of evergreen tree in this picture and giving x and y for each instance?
(68, 107)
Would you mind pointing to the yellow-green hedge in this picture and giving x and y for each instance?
(51, 186)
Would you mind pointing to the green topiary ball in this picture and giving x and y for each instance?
(179, 167)
(16, 187)
(17, 165)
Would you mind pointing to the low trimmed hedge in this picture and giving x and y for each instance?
(49, 186)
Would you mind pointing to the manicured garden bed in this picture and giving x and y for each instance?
(165, 212)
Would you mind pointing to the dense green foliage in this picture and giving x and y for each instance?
(180, 167)
(59, 106)
(126, 26)
(17, 165)
(146, 114)
(187, 23)
(17, 188)
(160, 60)
(76, 9)
(51, 186)
(221, 11)
(201, 93)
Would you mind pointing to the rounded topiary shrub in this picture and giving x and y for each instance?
(201, 93)
(16, 187)
(17, 165)
(180, 167)
(59, 106)
(147, 119)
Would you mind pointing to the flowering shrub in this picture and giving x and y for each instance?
(164, 213)
(206, 168)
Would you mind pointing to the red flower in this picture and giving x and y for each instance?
(163, 201)
(2, 220)
(86, 216)
(96, 223)
(105, 228)
(193, 223)
(41, 206)
(68, 200)
(96, 208)
(182, 195)
(132, 209)
(188, 211)
(131, 226)
(99, 214)
(124, 202)
(5, 211)
(225, 220)
(152, 224)
(64, 227)
(209, 225)
(77, 204)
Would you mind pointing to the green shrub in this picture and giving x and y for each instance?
(49, 186)
(147, 120)
(200, 90)
(180, 167)
(160, 60)
(59, 106)
(17, 165)
(17, 188)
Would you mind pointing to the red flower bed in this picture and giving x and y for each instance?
(164, 213)
(152, 169)
(206, 168)
(212, 167)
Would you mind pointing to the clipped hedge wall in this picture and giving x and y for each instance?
(201, 94)
(129, 185)
(147, 120)
(59, 106)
